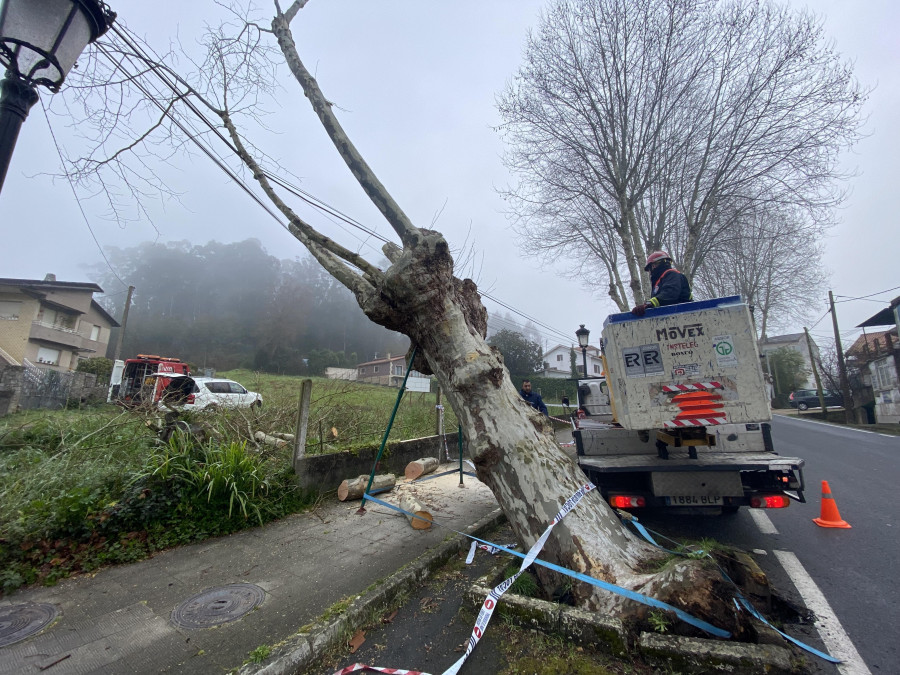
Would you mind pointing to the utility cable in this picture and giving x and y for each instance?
(87, 222)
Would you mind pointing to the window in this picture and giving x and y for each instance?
(48, 356)
(9, 310)
(375, 369)
(883, 374)
(219, 387)
(398, 370)
(597, 369)
(236, 388)
(580, 369)
(559, 357)
(95, 333)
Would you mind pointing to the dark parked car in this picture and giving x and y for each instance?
(802, 399)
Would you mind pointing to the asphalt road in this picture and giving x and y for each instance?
(855, 569)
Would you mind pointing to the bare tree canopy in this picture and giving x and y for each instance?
(635, 125)
(417, 294)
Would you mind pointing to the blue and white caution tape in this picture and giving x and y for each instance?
(739, 601)
(490, 603)
(597, 583)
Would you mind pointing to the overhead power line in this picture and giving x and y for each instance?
(194, 136)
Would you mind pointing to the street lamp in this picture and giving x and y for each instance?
(582, 334)
(40, 40)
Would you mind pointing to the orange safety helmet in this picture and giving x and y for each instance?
(656, 256)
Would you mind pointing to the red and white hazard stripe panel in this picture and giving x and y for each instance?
(697, 386)
(699, 422)
(357, 667)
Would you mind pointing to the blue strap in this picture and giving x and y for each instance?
(631, 595)
(740, 601)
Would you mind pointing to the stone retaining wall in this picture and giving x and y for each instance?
(325, 472)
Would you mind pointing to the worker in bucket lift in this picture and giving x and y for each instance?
(670, 286)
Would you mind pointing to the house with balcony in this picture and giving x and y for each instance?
(51, 323)
(558, 362)
(877, 356)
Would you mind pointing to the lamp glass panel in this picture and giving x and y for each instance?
(76, 39)
(37, 22)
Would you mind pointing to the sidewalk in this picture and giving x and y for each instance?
(119, 620)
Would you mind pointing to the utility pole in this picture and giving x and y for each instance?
(812, 360)
(118, 351)
(842, 367)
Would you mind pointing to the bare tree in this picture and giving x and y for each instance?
(634, 125)
(772, 260)
(418, 295)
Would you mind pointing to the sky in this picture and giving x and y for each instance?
(415, 86)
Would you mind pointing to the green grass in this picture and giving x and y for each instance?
(84, 488)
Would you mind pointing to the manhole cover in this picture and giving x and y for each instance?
(216, 606)
(18, 622)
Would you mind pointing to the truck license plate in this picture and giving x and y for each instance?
(693, 500)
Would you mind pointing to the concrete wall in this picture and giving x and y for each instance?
(325, 472)
(10, 388)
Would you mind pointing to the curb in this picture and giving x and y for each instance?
(667, 652)
(301, 650)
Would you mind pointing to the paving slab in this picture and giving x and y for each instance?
(118, 620)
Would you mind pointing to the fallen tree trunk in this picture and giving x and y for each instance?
(414, 508)
(420, 467)
(266, 439)
(353, 488)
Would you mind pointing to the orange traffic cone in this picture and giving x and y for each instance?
(830, 517)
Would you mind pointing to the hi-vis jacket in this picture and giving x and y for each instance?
(670, 288)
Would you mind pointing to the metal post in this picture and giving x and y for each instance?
(16, 99)
(412, 356)
(842, 367)
(815, 370)
(584, 358)
(459, 448)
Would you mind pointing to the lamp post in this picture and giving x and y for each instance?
(40, 40)
(582, 334)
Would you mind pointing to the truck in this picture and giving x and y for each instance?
(141, 380)
(680, 418)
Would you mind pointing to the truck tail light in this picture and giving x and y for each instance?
(770, 502)
(626, 501)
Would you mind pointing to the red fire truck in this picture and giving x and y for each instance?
(134, 381)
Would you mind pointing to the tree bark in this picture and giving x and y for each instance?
(412, 506)
(420, 467)
(354, 488)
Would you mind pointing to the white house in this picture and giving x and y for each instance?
(797, 342)
(557, 362)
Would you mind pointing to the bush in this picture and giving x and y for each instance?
(99, 366)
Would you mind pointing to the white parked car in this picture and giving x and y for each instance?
(185, 392)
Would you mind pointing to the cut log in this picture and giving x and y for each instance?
(284, 437)
(420, 467)
(409, 503)
(265, 439)
(353, 488)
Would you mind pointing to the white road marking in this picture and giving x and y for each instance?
(833, 634)
(762, 521)
(832, 424)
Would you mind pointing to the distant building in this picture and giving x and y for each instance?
(388, 371)
(557, 362)
(876, 357)
(796, 342)
(333, 373)
(51, 323)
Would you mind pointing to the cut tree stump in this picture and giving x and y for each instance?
(420, 467)
(353, 488)
(409, 503)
